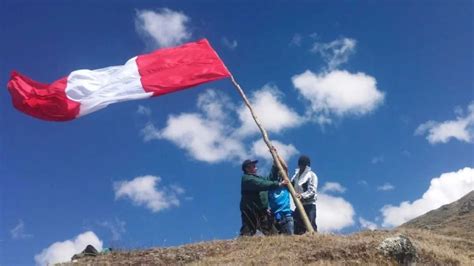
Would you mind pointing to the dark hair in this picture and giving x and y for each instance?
(247, 163)
(304, 161)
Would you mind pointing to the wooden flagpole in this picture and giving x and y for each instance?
(299, 206)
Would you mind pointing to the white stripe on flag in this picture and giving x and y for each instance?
(96, 89)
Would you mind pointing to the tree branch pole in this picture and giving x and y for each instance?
(283, 173)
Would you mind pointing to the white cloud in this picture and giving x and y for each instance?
(63, 251)
(296, 40)
(204, 139)
(211, 135)
(338, 93)
(333, 187)
(314, 36)
(260, 149)
(229, 44)
(207, 135)
(163, 28)
(18, 232)
(143, 110)
(150, 132)
(215, 105)
(367, 224)
(443, 190)
(143, 191)
(461, 129)
(386, 187)
(336, 52)
(333, 213)
(459, 111)
(116, 227)
(377, 159)
(273, 114)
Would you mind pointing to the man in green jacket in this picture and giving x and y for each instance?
(254, 203)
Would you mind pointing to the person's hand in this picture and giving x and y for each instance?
(283, 183)
(298, 195)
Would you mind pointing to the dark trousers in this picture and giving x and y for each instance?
(285, 225)
(254, 219)
(310, 210)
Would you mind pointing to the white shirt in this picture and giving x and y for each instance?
(306, 185)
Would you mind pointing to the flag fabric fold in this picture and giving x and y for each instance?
(85, 91)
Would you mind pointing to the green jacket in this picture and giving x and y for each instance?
(254, 191)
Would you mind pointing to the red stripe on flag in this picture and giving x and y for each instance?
(163, 71)
(173, 69)
(44, 101)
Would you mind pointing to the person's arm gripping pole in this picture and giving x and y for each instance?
(276, 158)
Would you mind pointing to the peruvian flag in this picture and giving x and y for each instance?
(85, 91)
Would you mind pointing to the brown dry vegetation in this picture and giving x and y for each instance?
(318, 249)
(441, 237)
(454, 219)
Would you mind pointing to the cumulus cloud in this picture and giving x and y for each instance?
(19, 232)
(338, 93)
(143, 191)
(333, 213)
(336, 52)
(260, 149)
(212, 134)
(215, 105)
(386, 187)
(162, 28)
(367, 224)
(63, 251)
(274, 115)
(333, 187)
(461, 129)
(442, 190)
(206, 136)
(204, 139)
(150, 132)
(229, 44)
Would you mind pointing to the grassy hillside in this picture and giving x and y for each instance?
(441, 237)
(454, 219)
(319, 249)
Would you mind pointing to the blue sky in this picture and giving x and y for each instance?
(379, 95)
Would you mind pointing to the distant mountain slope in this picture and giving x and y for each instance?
(454, 219)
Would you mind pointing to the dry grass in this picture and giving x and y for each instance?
(441, 237)
(455, 219)
(435, 247)
(319, 249)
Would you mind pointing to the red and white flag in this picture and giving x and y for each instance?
(85, 91)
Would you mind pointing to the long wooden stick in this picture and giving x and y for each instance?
(275, 156)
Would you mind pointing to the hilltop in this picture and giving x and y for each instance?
(440, 237)
(359, 248)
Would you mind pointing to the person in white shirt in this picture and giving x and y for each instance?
(305, 183)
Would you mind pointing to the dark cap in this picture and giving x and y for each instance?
(304, 160)
(247, 163)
